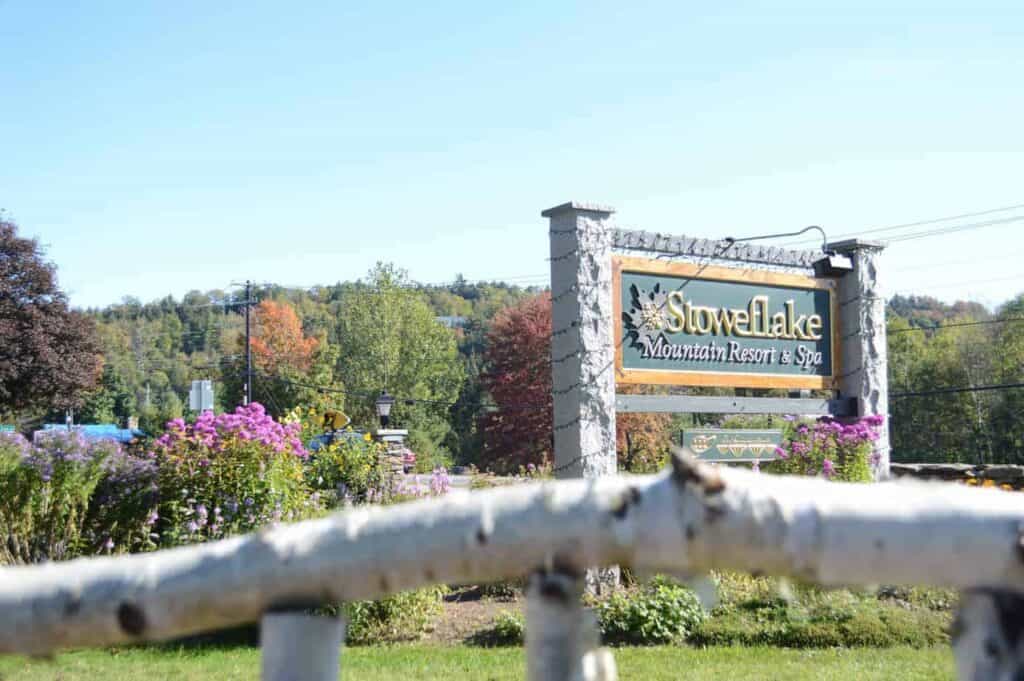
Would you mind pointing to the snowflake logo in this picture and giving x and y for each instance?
(646, 317)
(653, 316)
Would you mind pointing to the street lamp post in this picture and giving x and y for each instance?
(383, 404)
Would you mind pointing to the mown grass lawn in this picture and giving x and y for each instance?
(416, 663)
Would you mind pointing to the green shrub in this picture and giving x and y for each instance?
(765, 611)
(508, 590)
(507, 630)
(657, 613)
(349, 469)
(44, 495)
(402, 617)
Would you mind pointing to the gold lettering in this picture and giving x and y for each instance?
(705, 314)
(759, 317)
(676, 321)
(757, 321)
(742, 319)
(779, 325)
(790, 320)
(814, 324)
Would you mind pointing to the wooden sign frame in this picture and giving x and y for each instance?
(725, 379)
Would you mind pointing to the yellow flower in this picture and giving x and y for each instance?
(366, 436)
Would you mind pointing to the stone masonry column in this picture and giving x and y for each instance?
(864, 364)
(582, 347)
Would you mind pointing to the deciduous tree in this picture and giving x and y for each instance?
(390, 338)
(279, 342)
(49, 354)
(518, 378)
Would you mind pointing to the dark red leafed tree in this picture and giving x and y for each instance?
(518, 378)
(49, 355)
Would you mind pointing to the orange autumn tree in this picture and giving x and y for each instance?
(641, 438)
(279, 345)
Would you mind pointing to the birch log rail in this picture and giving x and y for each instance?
(685, 521)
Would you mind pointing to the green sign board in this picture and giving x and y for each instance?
(685, 324)
(711, 444)
(6, 429)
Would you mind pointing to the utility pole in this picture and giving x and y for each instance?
(248, 344)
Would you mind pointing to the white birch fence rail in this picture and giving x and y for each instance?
(686, 521)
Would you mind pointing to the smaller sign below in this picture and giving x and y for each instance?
(715, 444)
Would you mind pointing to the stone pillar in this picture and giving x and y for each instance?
(582, 343)
(583, 348)
(864, 361)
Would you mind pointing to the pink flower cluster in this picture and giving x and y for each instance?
(830, 448)
(249, 423)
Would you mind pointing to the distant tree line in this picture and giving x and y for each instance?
(476, 391)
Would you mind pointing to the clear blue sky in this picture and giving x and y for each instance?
(161, 147)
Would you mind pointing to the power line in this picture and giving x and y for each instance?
(502, 409)
(921, 223)
(938, 327)
(955, 228)
(958, 389)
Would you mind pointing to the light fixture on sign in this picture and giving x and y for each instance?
(833, 264)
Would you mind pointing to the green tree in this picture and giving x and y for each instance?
(1008, 356)
(390, 339)
(113, 402)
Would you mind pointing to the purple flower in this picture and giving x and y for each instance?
(439, 482)
(827, 468)
(192, 527)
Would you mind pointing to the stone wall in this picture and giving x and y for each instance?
(998, 474)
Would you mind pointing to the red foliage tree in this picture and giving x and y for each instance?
(279, 344)
(49, 355)
(518, 378)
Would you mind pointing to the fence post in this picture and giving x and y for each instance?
(582, 348)
(864, 363)
(295, 646)
(988, 635)
(562, 640)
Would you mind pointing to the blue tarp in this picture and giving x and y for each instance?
(100, 431)
(327, 438)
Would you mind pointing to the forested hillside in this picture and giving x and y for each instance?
(339, 345)
(336, 345)
(956, 374)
